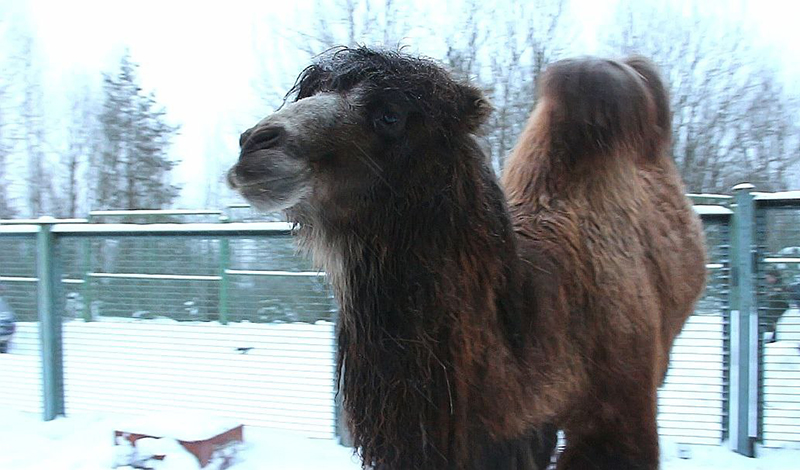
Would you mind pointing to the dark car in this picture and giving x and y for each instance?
(7, 325)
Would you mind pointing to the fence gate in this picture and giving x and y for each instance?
(778, 302)
(692, 402)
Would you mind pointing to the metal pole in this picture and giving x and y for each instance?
(224, 262)
(87, 280)
(744, 327)
(48, 293)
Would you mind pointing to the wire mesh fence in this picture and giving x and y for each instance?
(232, 324)
(226, 319)
(21, 372)
(693, 401)
(271, 283)
(778, 300)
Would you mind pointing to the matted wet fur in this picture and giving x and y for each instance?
(470, 317)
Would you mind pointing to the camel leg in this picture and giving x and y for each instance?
(530, 452)
(619, 434)
(591, 455)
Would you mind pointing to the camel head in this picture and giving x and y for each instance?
(359, 125)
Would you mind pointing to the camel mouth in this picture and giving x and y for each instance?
(237, 180)
(269, 192)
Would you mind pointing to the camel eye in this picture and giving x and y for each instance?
(390, 118)
(389, 122)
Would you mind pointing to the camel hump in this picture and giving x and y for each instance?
(601, 106)
(651, 76)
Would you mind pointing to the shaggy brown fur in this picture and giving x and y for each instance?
(600, 216)
(466, 323)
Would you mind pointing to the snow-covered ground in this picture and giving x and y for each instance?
(277, 379)
(278, 375)
(86, 443)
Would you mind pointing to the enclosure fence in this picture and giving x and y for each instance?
(197, 317)
(133, 313)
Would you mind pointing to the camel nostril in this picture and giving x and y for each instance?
(262, 138)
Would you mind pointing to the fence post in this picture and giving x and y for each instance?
(743, 403)
(224, 262)
(48, 296)
(87, 268)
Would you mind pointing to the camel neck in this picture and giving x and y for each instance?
(430, 298)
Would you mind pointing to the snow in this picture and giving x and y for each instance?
(175, 456)
(281, 375)
(188, 380)
(242, 272)
(177, 277)
(703, 209)
(793, 195)
(72, 227)
(157, 212)
(19, 229)
(85, 443)
(43, 220)
(187, 427)
(709, 196)
(155, 229)
(18, 279)
(675, 456)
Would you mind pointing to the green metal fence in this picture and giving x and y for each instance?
(777, 280)
(694, 399)
(218, 318)
(176, 274)
(194, 311)
(22, 377)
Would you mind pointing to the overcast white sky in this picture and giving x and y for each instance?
(199, 57)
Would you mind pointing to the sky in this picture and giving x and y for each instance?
(206, 62)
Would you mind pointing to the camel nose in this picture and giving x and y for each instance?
(243, 138)
(261, 138)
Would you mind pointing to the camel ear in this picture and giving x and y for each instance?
(475, 108)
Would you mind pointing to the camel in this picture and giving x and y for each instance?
(475, 318)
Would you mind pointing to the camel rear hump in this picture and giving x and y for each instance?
(595, 107)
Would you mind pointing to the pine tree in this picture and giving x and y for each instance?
(134, 167)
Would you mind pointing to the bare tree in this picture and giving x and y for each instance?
(331, 23)
(374, 22)
(6, 207)
(39, 180)
(732, 119)
(505, 49)
(78, 157)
